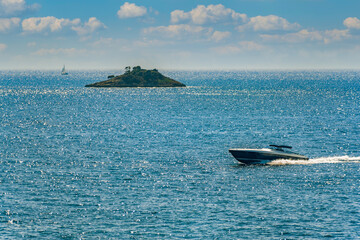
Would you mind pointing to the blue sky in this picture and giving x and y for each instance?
(169, 34)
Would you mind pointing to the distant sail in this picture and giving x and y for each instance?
(63, 71)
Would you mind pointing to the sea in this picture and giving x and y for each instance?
(153, 163)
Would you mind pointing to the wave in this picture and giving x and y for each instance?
(338, 159)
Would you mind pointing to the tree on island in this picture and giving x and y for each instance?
(127, 69)
(136, 69)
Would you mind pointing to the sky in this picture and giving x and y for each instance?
(180, 35)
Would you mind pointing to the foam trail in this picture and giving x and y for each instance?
(340, 159)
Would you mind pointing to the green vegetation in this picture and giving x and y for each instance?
(138, 77)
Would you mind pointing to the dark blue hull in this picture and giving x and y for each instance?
(263, 156)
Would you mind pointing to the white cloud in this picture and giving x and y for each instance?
(12, 6)
(210, 14)
(217, 36)
(178, 30)
(336, 35)
(47, 24)
(352, 22)
(15, 7)
(301, 36)
(306, 35)
(8, 23)
(60, 51)
(268, 23)
(89, 27)
(130, 10)
(192, 29)
(179, 15)
(2, 47)
(51, 24)
(187, 32)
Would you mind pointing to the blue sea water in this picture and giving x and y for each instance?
(153, 163)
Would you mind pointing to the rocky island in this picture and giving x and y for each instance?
(138, 77)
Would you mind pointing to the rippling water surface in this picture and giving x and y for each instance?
(143, 163)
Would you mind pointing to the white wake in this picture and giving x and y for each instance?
(340, 159)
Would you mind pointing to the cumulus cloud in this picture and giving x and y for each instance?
(2, 47)
(47, 24)
(15, 7)
(52, 24)
(304, 35)
(7, 24)
(217, 36)
(210, 14)
(178, 30)
(89, 27)
(301, 36)
(268, 23)
(352, 22)
(188, 32)
(336, 35)
(193, 24)
(130, 10)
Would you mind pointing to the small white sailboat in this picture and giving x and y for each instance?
(63, 71)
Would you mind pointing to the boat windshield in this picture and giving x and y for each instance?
(282, 148)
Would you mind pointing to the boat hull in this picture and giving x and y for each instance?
(263, 156)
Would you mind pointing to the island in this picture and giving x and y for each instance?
(138, 77)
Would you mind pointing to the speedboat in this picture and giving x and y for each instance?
(265, 155)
